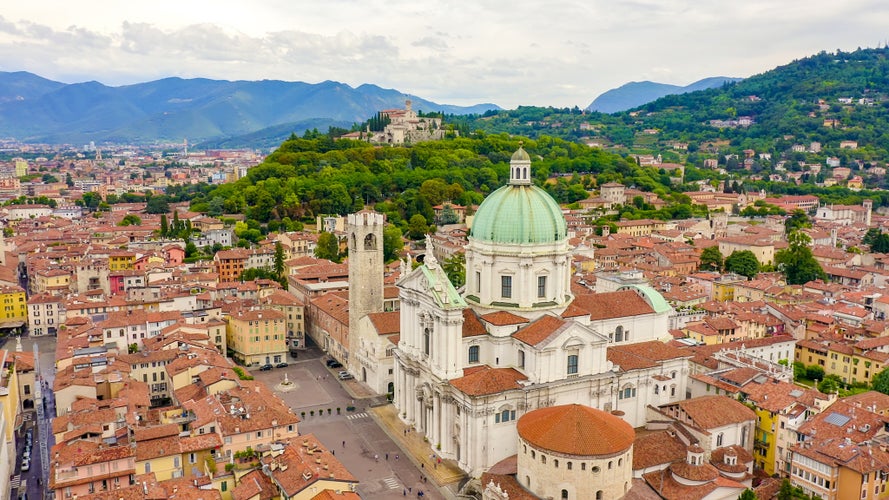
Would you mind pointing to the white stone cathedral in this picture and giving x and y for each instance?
(469, 365)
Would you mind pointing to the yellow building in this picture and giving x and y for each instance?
(14, 312)
(258, 337)
(850, 363)
(764, 440)
(174, 456)
(724, 287)
(119, 261)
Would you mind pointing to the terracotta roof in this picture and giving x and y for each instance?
(503, 318)
(540, 330)
(485, 380)
(386, 323)
(472, 326)
(710, 412)
(657, 448)
(613, 304)
(576, 430)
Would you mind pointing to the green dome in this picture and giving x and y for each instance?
(517, 214)
(521, 155)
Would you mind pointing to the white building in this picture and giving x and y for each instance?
(468, 366)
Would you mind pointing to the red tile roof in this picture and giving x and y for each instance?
(576, 430)
(486, 380)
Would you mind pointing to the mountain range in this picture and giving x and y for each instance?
(35, 109)
(634, 94)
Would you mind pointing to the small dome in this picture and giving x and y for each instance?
(519, 214)
(520, 155)
(576, 430)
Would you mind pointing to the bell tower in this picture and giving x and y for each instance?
(364, 230)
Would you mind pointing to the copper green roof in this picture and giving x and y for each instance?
(519, 214)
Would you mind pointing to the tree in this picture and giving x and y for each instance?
(279, 260)
(417, 227)
(130, 220)
(830, 384)
(165, 227)
(797, 262)
(742, 262)
(157, 205)
(747, 494)
(712, 259)
(328, 247)
(881, 381)
(448, 215)
(392, 243)
(455, 267)
(797, 220)
(880, 244)
(814, 372)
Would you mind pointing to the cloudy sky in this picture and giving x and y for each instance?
(552, 53)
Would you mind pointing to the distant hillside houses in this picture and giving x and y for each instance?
(404, 126)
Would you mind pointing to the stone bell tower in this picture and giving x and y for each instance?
(364, 230)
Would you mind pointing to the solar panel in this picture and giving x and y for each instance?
(837, 419)
(796, 393)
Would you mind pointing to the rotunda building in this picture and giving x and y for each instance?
(574, 452)
(518, 258)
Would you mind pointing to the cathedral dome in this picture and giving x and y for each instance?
(576, 430)
(519, 212)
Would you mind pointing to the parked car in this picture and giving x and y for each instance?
(265, 367)
(344, 375)
(330, 362)
(26, 464)
(281, 365)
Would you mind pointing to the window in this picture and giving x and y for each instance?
(427, 340)
(521, 359)
(719, 440)
(556, 463)
(506, 286)
(505, 416)
(473, 354)
(619, 334)
(478, 282)
(627, 393)
(572, 364)
(656, 389)
(569, 465)
(541, 286)
(564, 494)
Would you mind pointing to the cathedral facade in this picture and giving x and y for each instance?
(517, 338)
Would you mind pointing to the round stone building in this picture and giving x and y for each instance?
(575, 452)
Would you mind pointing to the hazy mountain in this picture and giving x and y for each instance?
(38, 110)
(634, 94)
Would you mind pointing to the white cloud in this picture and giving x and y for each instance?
(561, 53)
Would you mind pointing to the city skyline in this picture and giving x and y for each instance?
(564, 54)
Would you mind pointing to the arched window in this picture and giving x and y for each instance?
(599, 495)
(620, 462)
(564, 494)
(719, 440)
(473, 354)
(569, 465)
(610, 465)
(370, 242)
(543, 459)
(525, 173)
(657, 389)
(619, 334)
(556, 463)
(533, 454)
(528, 481)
